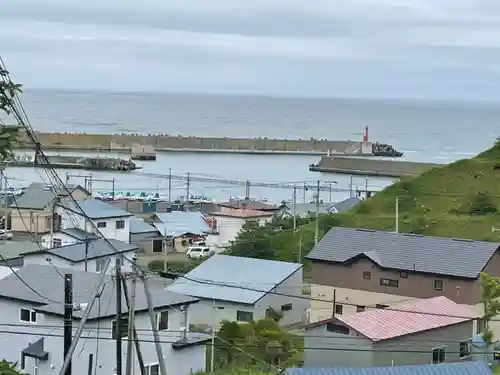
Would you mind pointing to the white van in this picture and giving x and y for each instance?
(197, 252)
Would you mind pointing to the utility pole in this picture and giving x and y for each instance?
(212, 347)
(67, 178)
(128, 302)
(366, 187)
(154, 328)
(334, 302)
(118, 326)
(397, 215)
(294, 203)
(169, 186)
(247, 189)
(316, 232)
(350, 187)
(299, 255)
(131, 321)
(165, 251)
(68, 318)
(91, 364)
(187, 187)
(113, 188)
(304, 192)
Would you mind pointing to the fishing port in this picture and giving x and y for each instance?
(144, 147)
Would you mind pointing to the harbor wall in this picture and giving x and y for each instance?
(371, 166)
(122, 142)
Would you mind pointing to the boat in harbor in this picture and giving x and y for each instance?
(74, 162)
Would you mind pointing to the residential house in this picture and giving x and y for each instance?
(37, 340)
(367, 267)
(231, 220)
(11, 252)
(463, 368)
(345, 205)
(251, 204)
(243, 289)
(65, 237)
(181, 229)
(434, 330)
(33, 210)
(147, 237)
(111, 222)
(88, 256)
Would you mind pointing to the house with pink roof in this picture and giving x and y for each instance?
(418, 331)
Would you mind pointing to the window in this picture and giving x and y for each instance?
(403, 274)
(162, 320)
(438, 355)
(286, 307)
(101, 224)
(152, 369)
(123, 328)
(367, 275)
(465, 348)
(244, 316)
(28, 316)
(389, 282)
(120, 224)
(99, 264)
(56, 242)
(480, 325)
(380, 306)
(438, 284)
(337, 328)
(360, 308)
(157, 246)
(339, 309)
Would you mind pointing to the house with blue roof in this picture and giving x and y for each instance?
(243, 290)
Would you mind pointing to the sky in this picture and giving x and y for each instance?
(446, 49)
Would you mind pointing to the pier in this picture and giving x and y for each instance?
(144, 146)
(371, 167)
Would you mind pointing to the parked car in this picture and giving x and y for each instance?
(5, 234)
(197, 252)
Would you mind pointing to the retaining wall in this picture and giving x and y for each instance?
(370, 166)
(159, 142)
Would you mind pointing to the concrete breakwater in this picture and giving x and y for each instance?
(125, 142)
(371, 167)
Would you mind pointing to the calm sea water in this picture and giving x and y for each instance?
(425, 131)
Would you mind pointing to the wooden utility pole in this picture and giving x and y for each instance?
(68, 317)
(119, 328)
(316, 232)
(131, 321)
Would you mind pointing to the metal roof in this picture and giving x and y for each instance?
(408, 318)
(177, 223)
(231, 273)
(95, 209)
(78, 234)
(36, 199)
(138, 225)
(345, 205)
(403, 251)
(96, 249)
(47, 281)
(249, 204)
(15, 249)
(458, 368)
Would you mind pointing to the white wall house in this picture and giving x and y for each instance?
(36, 342)
(91, 256)
(243, 289)
(231, 220)
(111, 222)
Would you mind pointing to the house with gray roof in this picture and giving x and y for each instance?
(37, 312)
(462, 368)
(244, 289)
(368, 267)
(89, 214)
(12, 252)
(33, 210)
(90, 255)
(146, 236)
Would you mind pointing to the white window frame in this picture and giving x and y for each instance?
(468, 345)
(245, 312)
(119, 221)
(113, 331)
(432, 354)
(148, 368)
(99, 263)
(32, 313)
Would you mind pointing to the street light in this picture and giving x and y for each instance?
(330, 183)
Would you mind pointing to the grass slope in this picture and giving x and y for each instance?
(457, 200)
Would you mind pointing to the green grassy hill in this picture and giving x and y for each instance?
(460, 200)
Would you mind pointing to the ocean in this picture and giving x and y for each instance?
(429, 131)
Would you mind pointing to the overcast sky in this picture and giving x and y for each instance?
(443, 49)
